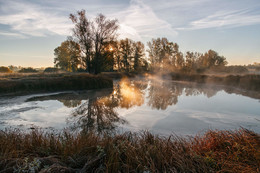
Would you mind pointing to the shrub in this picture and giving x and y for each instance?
(51, 70)
(5, 70)
(28, 70)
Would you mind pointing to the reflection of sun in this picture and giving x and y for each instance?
(129, 93)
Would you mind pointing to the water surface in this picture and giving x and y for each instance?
(161, 106)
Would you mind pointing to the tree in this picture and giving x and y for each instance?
(164, 54)
(104, 31)
(93, 37)
(191, 60)
(83, 34)
(117, 55)
(68, 56)
(5, 70)
(212, 59)
(138, 54)
(126, 51)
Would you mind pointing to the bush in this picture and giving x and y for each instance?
(28, 70)
(81, 70)
(51, 70)
(5, 70)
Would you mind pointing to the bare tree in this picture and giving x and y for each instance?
(83, 34)
(93, 36)
(104, 30)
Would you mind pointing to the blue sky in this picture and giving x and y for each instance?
(31, 29)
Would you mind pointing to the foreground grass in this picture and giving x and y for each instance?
(52, 82)
(215, 151)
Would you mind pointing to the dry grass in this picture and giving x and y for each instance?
(216, 151)
(52, 82)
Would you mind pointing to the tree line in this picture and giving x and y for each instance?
(94, 48)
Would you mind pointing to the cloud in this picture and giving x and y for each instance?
(33, 20)
(11, 34)
(228, 19)
(139, 21)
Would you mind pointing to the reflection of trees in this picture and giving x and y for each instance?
(70, 103)
(195, 89)
(163, 94)
(96, 115)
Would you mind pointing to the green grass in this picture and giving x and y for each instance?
(52, 82)
(215, 151)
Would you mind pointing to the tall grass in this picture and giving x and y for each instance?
(215, 151)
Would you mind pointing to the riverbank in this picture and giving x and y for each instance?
(17, 83)
(215, 151)
(248, 82)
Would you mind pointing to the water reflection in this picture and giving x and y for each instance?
(128, 94)
(70, 103)
(98, 110)
(100, 114)
(96, 115)
(162, 94)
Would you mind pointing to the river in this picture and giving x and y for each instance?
(159, 105)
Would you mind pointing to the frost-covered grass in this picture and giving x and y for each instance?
(215, 151)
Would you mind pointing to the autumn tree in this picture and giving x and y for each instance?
(191, 60)
(164, 54)
(138, 54)
(212, 59)
(115, 48)
(68, 55)
(126, 51)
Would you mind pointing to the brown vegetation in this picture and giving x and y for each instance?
(248, 82)
(5, 70)
(53, 82)
(215, 151)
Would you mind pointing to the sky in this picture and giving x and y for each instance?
(30, 30)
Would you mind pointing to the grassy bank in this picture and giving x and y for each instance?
(248, 82)
(215, 151)
(52, 82)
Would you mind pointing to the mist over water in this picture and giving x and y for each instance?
(159, 105)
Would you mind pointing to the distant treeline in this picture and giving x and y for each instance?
(94, 48)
